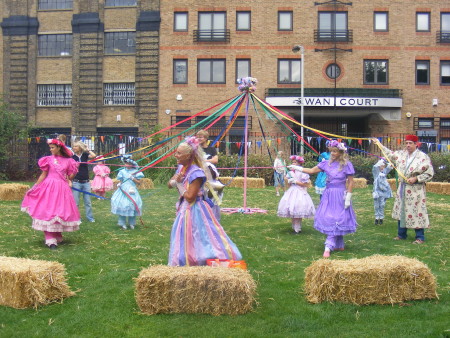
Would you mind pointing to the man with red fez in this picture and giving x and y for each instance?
(410, 201)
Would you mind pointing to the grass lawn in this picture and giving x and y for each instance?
(101, 261)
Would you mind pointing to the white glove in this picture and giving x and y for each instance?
(295, 167)
(380, 162)
(348, 200)
(291, 181)
(173, 183)
(375, 195)
(181, 188)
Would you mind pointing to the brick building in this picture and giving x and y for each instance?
(371, 67)
(81, 66)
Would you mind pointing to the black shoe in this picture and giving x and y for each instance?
(53, 246)
(376, 222)
(380, 222)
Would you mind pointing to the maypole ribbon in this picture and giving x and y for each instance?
(389, 160)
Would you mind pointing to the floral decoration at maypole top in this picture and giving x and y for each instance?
(247, 84)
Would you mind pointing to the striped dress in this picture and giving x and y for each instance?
(196, 234)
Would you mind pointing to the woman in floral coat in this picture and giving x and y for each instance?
(410, 201)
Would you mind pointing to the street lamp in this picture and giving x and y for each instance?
(301, 49)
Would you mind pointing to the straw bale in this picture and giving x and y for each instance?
(372, 280)
(238, 182)
(360, 182)
(446, 188)
(13, 191)
(146, 183)
(198, 289)
(393, 183)
(28, 283)
(435, 187)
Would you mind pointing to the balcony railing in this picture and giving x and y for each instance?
(443, 37)
(212, 35)
(339, 35)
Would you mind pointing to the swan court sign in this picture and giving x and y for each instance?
(327, 101)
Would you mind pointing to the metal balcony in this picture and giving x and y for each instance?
(338, 35)
(443, 37)
(212, 35)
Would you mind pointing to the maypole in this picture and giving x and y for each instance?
(247, 85)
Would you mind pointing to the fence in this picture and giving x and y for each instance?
(23, 154)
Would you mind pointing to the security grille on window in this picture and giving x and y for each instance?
(55, 4)
(55, 45)
(375, 72)
(119, 3)
(54, 95)
(289, 71)
(120, 43)
(119, 94)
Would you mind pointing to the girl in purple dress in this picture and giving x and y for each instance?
(50, 202)
(296, 202)
(196, 233)
(335, 216)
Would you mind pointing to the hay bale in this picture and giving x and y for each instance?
(393, 183)
(372, 280)
(238, 182)
(13, 191)
(28, 283)
(199, 289)
(446, 188)
(146, 183)
(435, 187)
(360, 182)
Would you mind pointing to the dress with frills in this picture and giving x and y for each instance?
(196, 234)
(331, 216)
(296, 202)
(101, 182)
(50, 203)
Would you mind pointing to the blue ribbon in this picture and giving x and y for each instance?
(89, 193)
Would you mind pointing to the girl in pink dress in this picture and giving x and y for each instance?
(101, 182)
(296, 202)
(50, 202)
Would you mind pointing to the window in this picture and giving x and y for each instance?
(445, 28)
(119, 94)
(120, 43)
(242, 68)
(180, 71)
(120, 3)
(55, 45)
(423, 72)
(285, 22)
(55, 4)
(289, 71)
(445, 73)
(425, 123)
(375, 72)
(333, 25)
(422, 22)
(243, 21)
(211, 71)
(54, 95)
(445, 123)
(380, 21)
(180, 21)
(333, 71)
(212, 26)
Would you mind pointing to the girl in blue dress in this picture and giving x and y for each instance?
(126, 201)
